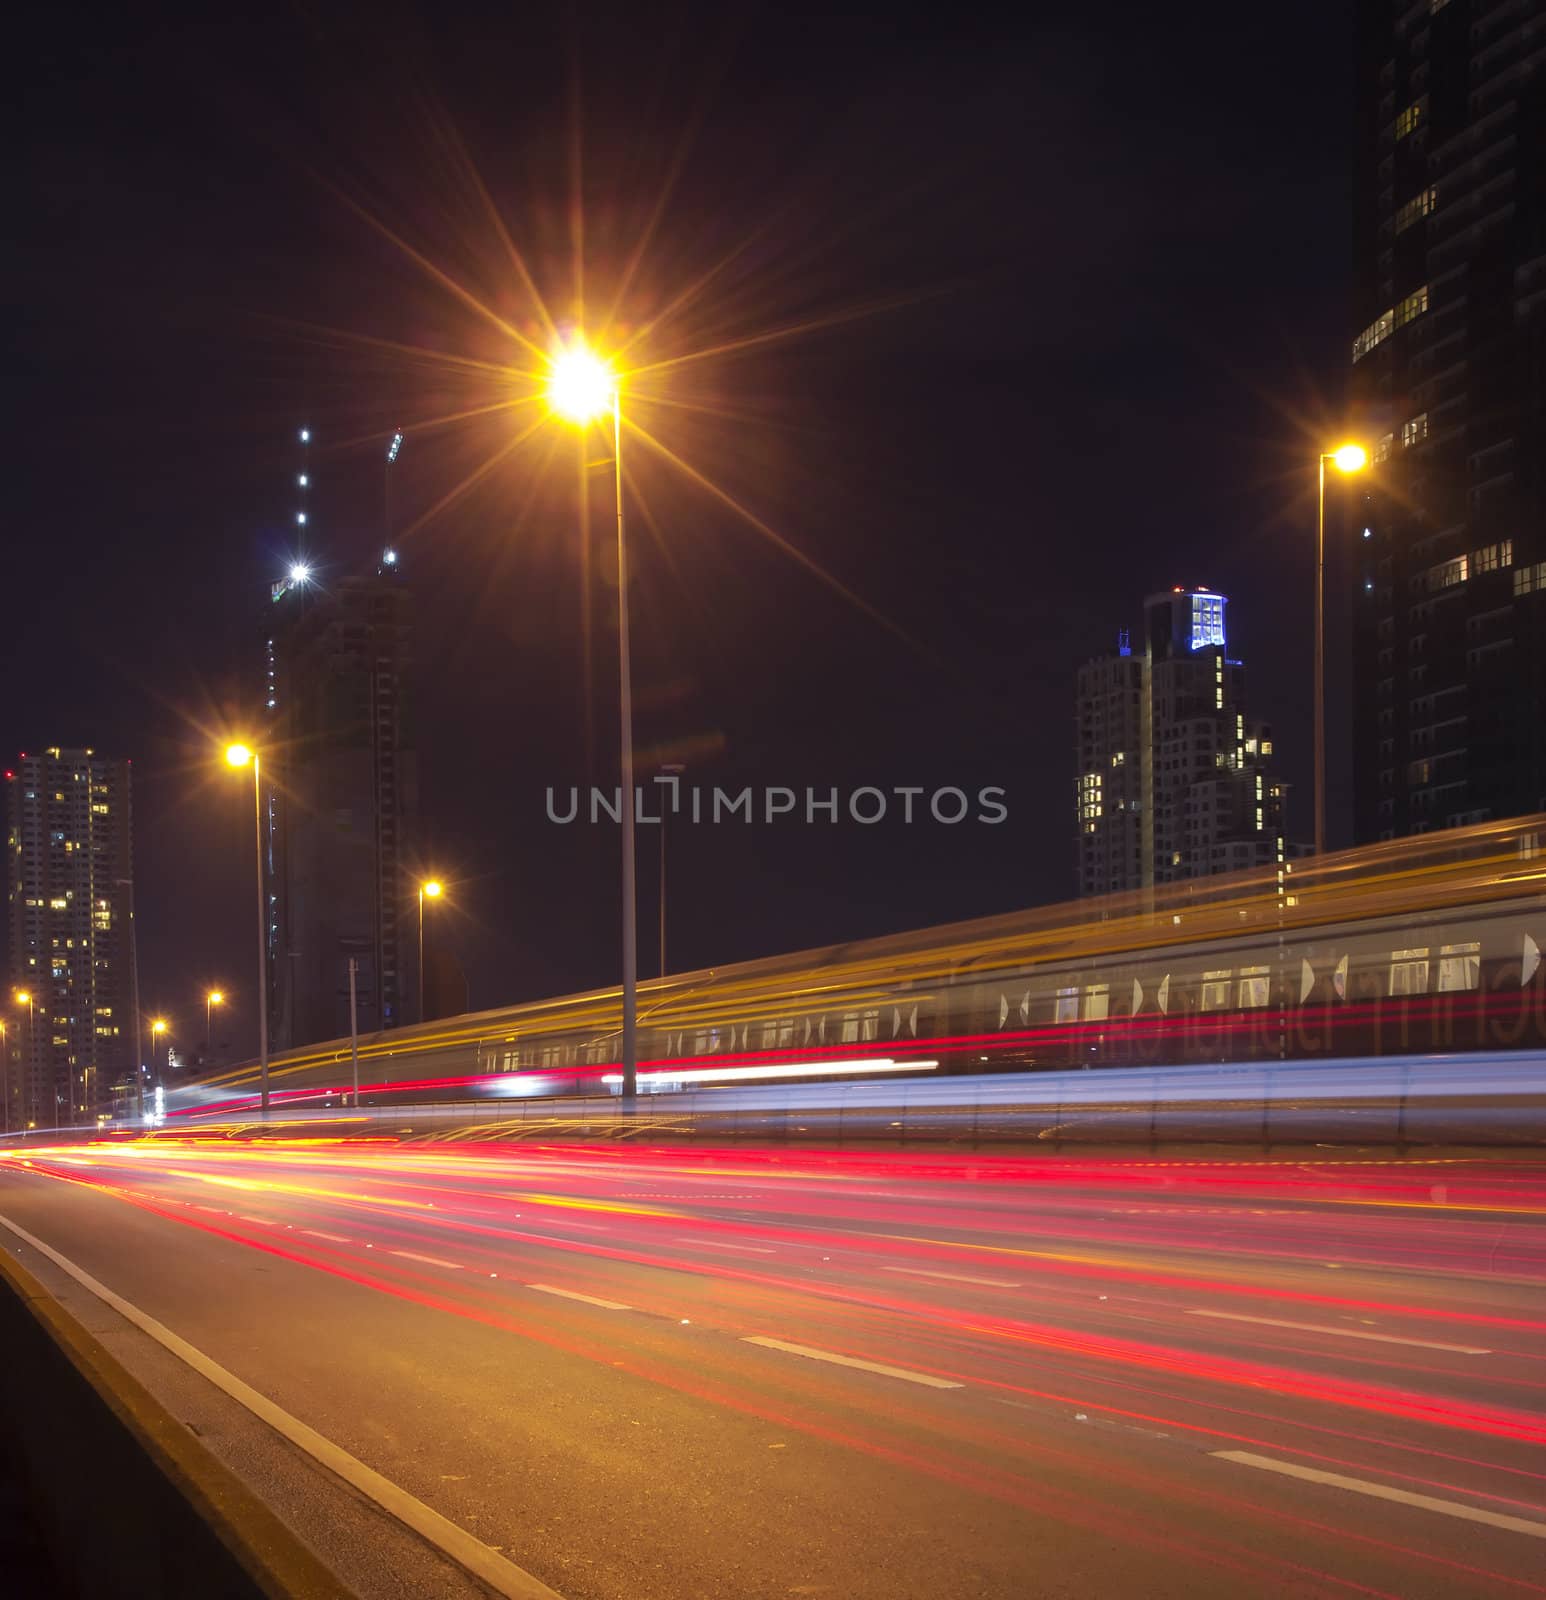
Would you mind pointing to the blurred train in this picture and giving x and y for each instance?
(1427, 944)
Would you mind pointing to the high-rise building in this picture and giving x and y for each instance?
(70, 895)
(1449, 374)
(1174, 780)
(341, 798)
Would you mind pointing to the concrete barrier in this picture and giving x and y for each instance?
(125, 1500)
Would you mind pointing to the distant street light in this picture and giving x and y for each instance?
(582, 389)
(24, 998)
(241, 755)
(430, 889)
(1345, 458)
(157, 1032)
(211, 1000)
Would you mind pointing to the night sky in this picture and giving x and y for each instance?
(1073, 299)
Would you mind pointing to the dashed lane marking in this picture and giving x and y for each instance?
(317, 1233)
(1380, 1491)
(926, 1378)
(1342, 1333)
(954, 1277)
(715, 1244)
(584, 1299)
(429, 1261)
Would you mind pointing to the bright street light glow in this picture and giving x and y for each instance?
(433, 889)
(305, 435)
(389, 557)
(580, 384)
(238, 755)
(23, 998)
(1350, 458)
(158, 1026)
(215, 997)
(300, 572)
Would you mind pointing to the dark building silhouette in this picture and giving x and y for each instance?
(1449, 375)
(1174, 779)
(341, 798)
(69, 869)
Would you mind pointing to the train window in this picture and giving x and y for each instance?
(1066, 1006)
(850, 1031)
(1460, 966)
(1215, 990)
(1408, 972)
(1097, 1002)
(512, 1061)
(869, 1025)
(1254, 987)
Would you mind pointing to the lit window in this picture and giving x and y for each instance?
(1409, 119)
(1382, 446)
(1493, 557)
(1408, 972)
(1415, 431)
(1215, 991)
(1253, 987)
(1416, 209)
(1459, 966)
(1376, 333)
(1448, 573)
(1413, 306)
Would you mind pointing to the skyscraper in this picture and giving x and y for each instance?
(342, 804)
(71, 933)
(1173, 780)
(1449, 374)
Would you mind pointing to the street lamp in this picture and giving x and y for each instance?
(430, 889)
(582, 389)
(157, 1030)
(24, 998)
(240, 755)
(1345, 458)
(211, 1000)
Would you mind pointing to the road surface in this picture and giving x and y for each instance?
(646, 1372)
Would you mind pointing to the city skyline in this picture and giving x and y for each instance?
(854, 434)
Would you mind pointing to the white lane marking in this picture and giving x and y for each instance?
(926, 1378)
(501, 1575)
(585, 1299)
(1380, 1491)
(1343, 1333)
(954, 1277)
(429, 1261)
(317, 1233)
(261, 1222)
(714, 1244)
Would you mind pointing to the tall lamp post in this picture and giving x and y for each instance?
(157, 1033)
(583, 389)
(241, 755)
(430, 889)
(24, 998)
(672, 770)
(214, 998)
(1345, 458)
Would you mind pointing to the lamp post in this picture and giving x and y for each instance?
(240, 755)
(24, 998)
(157, 1032)
(1345, 458)
(582, 388)
(211, 1000)
(674, 771)
(5, 1076)
(430, 889)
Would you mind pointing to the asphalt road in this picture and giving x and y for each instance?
(652, 1373)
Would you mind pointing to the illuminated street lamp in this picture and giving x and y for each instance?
(24, 998)
(430, 889)
(241, 755)
(214, 998)
(1345, 458)
(583, 389)
(157, 1033)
